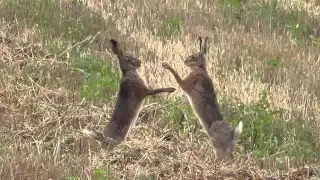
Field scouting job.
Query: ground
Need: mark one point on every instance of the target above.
(58, 76)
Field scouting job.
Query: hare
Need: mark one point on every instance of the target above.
(198, 87)
(130, 97)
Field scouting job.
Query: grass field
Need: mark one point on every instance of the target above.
(58, 75)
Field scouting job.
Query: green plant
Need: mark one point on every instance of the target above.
(260, 135)
(72, 178)
(174, 114)
(302, 140)
(71, 20)
(265, 134)
(269, 16)
(100, 80)
(273, 62)
(263, 140)
(170, 27)
(99, 174)
(297, 26)
(232, 9)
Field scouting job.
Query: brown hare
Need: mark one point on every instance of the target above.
(130, 97)
(198, 87)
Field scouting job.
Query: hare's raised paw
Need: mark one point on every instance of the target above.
(166, 65)
(170, 90)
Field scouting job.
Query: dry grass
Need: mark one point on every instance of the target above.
(43, 108)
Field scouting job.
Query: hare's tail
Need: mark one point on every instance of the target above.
(93, 134)
(238, 130)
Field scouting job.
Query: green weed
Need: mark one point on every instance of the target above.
(264, 134)
(62, 24)
(102, 174)
(174, 114)
(260, 123)
(170, 27)
(70, 20)
(100, 79)
(270, 17)
(302, 140)
(273, 62)
(72, 178)
(99, 174)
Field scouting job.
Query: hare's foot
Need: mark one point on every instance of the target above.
(170, 90)
(166, 65)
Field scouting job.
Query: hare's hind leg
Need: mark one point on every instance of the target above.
(204, 45)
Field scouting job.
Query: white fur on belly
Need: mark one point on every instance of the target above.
(134, 118)
(196, 113)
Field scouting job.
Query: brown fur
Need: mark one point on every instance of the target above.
(199, 89)
(130, 97)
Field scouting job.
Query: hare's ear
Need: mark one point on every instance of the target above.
(205, 45)
(200, 44)
(114, 42)
(115, 47)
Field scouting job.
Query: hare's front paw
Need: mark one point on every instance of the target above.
(170, 90)
(166, 65)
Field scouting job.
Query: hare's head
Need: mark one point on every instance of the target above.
(223, 139)
(127, 62)
(198, 59)
(131, 62)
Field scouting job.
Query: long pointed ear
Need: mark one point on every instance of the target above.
(200, 44)
(205, 45)
(116, 49)
(202, 53)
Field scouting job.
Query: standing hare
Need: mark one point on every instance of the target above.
(130, 97)
(198, 87)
